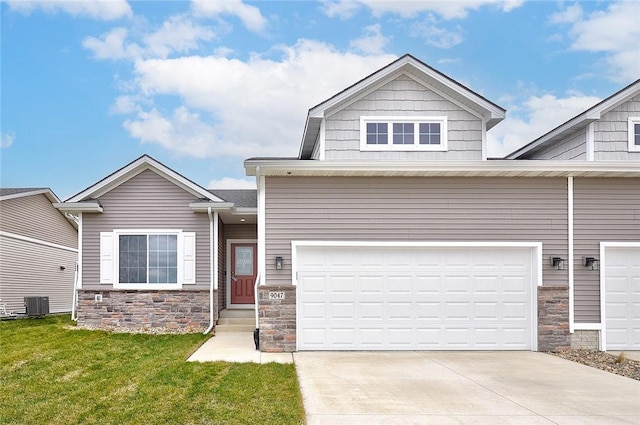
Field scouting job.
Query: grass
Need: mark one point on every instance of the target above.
(50, 374)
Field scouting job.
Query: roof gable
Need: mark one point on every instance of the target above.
(20, 192)
(414, 69)
(134, 168)
(582, 120)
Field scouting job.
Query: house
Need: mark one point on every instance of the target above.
(38, 250)
(158, 250)
(391, 230)
(397, 233)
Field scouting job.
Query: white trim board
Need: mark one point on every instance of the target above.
(603, 263)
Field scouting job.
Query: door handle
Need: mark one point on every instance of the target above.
(235, 279)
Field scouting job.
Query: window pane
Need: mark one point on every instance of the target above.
(403, 133)
(429, 133)
(163, 259)
(636, 134)
(133, 259)
(377, 133)
(244, 260)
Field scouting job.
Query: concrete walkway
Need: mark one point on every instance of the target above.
(235, 347)
(481, 388)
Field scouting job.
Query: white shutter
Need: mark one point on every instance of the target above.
(188, 258)
(107, 265)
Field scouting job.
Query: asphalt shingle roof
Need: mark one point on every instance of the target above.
(243, 198)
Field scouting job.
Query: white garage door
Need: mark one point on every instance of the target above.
(414, 298)
(622, 298)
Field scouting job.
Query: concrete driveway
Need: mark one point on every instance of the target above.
(461, 388)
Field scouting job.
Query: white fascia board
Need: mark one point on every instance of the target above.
(47, 192)
(568, 127)
(499, 168)
(141, 164)
(78, 207)
(217, 206)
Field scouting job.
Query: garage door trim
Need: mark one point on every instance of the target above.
(603, 294)
(536, 267)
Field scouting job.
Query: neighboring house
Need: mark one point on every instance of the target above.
(391, 230)
(38, 250)
(157, 250)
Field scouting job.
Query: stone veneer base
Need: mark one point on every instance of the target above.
(184, 310)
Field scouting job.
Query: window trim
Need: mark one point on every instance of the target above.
(416, 121)
(146, 232)
(631, 134)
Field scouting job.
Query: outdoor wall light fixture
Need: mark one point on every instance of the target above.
(558, 263)
(62, 267)
(591, 263)
(278, 263)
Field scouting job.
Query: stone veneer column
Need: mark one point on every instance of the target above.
(277, 319)
(138, 310)
(553, 318)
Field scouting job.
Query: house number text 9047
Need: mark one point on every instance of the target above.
(276, 295)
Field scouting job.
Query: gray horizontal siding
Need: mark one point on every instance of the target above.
(415, 209)
(147, 201)
(605, 210)
(34, 217)
(574, 147)
(610, 138)
(402, 97)
(30, 269)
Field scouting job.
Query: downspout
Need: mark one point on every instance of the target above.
(77, 278)
(213, 261)
(260, 274)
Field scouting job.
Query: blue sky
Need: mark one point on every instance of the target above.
(88, 86)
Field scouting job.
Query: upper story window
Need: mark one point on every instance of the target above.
(403, 133)
(634, 134)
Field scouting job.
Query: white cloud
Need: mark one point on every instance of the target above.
(541, 114)
(570, 15)
(372, 41)
(614, 31)
(242, 108)
(232, 183)
(112, 45)
(344, 9)
(105, 10)
(411, 8)
(178, 34)
(438, 37)
(7, 139)
(250, 16)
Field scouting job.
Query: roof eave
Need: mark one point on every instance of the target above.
(502, 168)
(79, 207)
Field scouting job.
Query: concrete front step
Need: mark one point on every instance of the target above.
(228, 313)
(236, 321)
(235, 328)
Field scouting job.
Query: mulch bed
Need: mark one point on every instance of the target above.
(620, 365)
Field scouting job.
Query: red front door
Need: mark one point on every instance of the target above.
(243, 272)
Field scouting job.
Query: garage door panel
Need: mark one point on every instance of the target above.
(440, 299)
(622, 299)
(486, 310)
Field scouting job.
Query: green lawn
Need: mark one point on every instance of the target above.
(50, 374)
